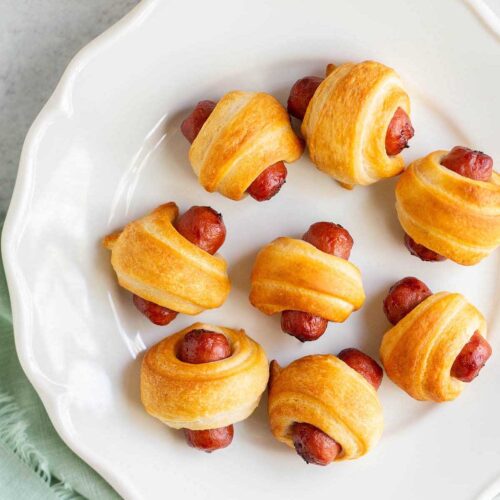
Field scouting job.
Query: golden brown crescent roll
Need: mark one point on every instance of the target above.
(207, 395)
(452, 215)
(346, 122)
(152, 260)
(245, 133)
(325, 392)
(291, 274)
(419, 351)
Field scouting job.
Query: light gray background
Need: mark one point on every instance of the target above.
(38, 38)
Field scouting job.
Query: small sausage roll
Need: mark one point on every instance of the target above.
(155, 261)
(438, 341)
(308, 281)
(448, 203)
(240, 143)
(204, 379)
(324, 408)
(356, 121)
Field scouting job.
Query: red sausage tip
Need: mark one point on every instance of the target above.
(403, 297)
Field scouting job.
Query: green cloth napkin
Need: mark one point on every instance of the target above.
(35, 464)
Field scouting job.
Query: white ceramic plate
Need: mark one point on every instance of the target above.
(107, 149)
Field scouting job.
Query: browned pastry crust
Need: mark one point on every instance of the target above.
(246, 133)
(419, 351)
(346, 122)
(453, 215)
(206, 395)
(152, 260)
(323, 391)
(291, 274)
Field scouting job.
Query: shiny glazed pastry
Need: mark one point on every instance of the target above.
(167, 262)
(449, 206)
(438, 341)
(355, 121)
(326, 407)
(203, 379)
(240, 143)
(308, 281)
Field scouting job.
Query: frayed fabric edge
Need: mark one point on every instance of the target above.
(13, 435)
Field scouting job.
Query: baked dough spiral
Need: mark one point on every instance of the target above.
(346, 122)
(245, 133)
(323, 391)
(291, 274)
(207, 395)
(453, 215)
(419, 351)
(152, 260)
